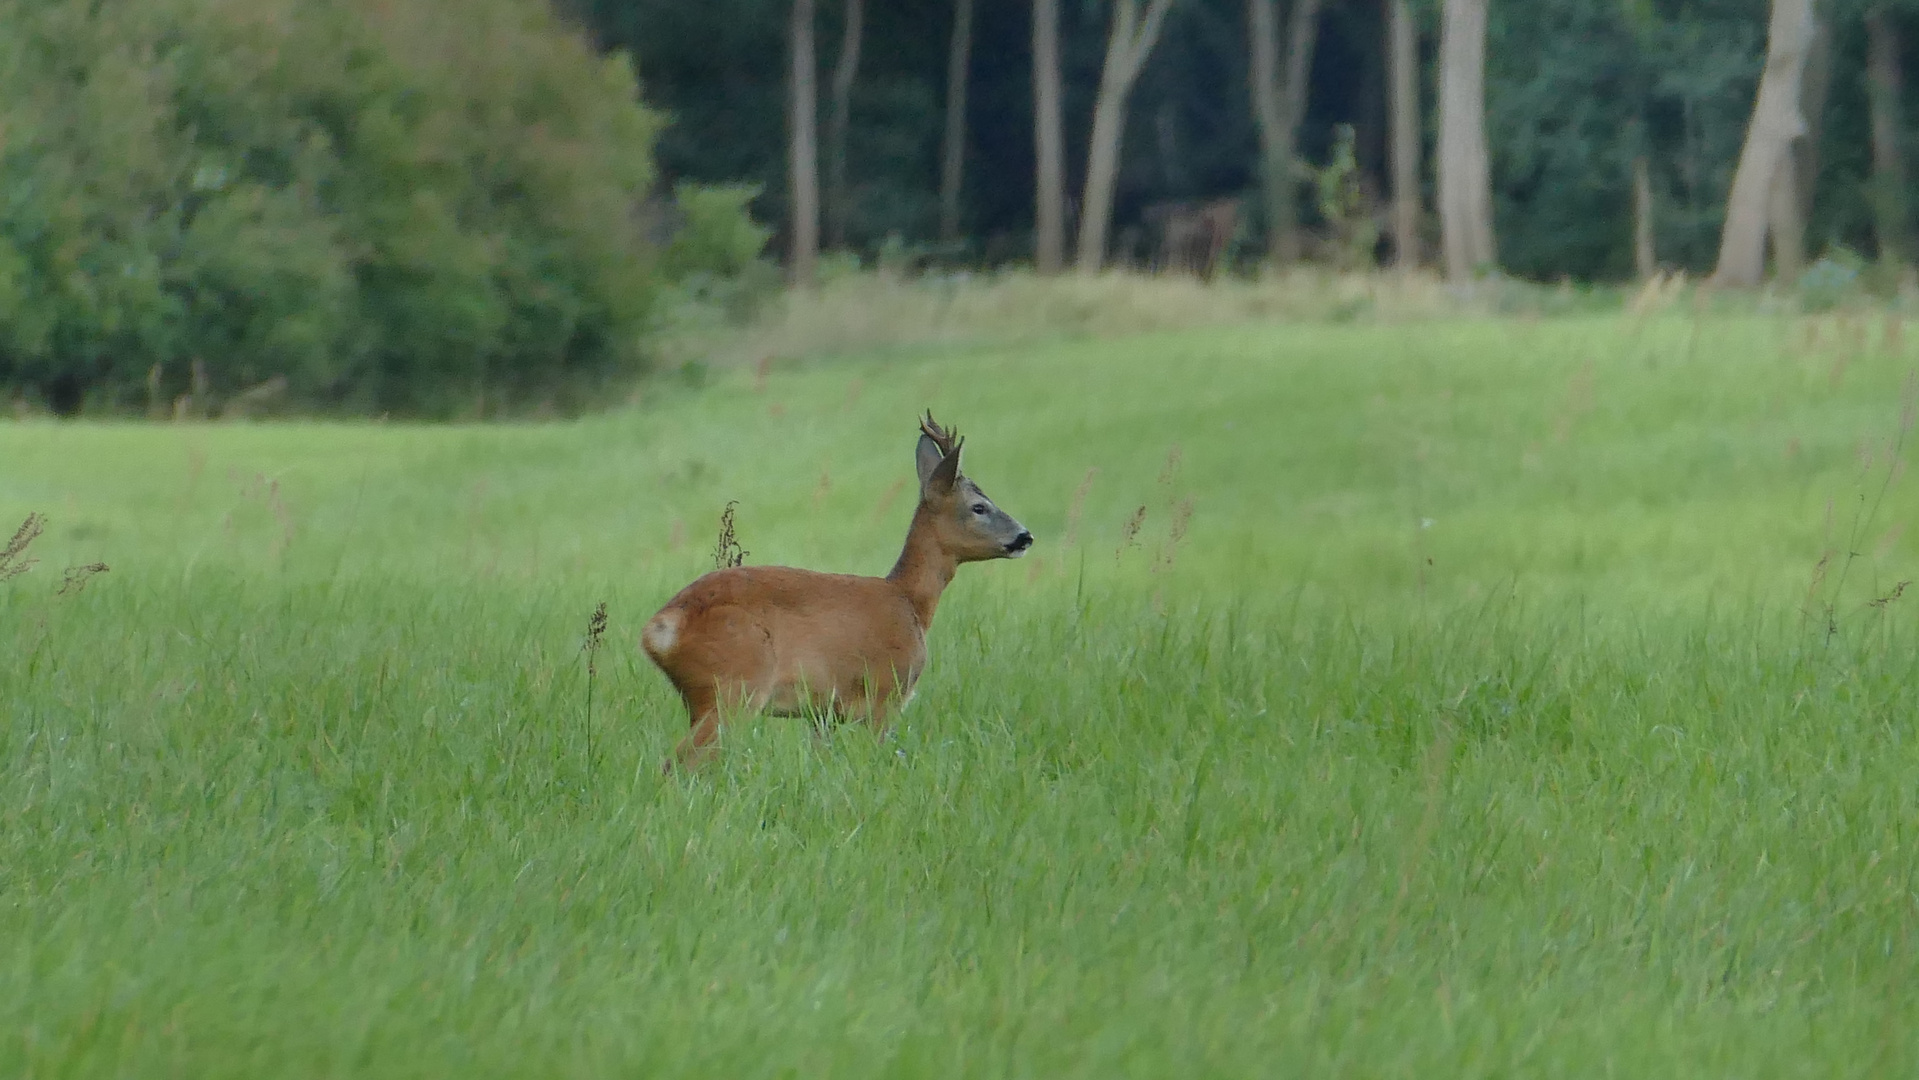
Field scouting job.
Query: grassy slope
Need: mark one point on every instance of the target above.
(301, 787)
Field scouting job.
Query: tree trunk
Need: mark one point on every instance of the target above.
(803, 163)
(845, 71)
(1102, 166)
(1795, 184)
(1883, 79)
(1279, 105)
(959, 57)
(1132, 38)
(1275, 165)
(1465, 177)
(1814, 90)
(1776, 122)
(1404, 66)
(1302, 35)
(1049, 217)
(1645, 256)
(1784, 227)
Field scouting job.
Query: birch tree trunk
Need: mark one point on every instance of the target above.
(803, 163)
(1815, 88)
(1645, 256)
(1302, 37)
(1784, 227)
(1263, 80)
(1403, 65)
(1797, 179)
(838, 206)
(1465, 177)
(1883, 82)
(1279, 105)
(1132, 39)
(1775, 123)
(959, 56)
(1049, 144)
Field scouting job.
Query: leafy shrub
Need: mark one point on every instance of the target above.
(390, 204)
(715, 235)
(1343, 204)
(1831, 280)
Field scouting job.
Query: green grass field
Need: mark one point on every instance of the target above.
(1475, 698)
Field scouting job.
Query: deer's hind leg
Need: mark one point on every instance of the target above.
(703, 710)
(747, 686)
(707, 709)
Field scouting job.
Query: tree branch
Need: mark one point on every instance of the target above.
(1146, 34)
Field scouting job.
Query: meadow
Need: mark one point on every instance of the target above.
(1461, 697)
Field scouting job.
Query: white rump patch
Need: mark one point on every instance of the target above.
(661, 633)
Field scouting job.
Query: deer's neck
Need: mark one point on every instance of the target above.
(924, 569)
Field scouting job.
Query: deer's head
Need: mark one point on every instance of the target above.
(967, 523)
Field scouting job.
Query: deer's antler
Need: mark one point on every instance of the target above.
(946, 440)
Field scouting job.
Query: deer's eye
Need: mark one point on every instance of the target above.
(979, 508)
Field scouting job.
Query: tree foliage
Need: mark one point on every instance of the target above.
(1577, 90)
(389, 205)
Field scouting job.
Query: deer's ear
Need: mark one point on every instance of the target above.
(926, 458)
(944, 475)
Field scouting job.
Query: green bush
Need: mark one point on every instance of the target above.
(390, 204)
(1833, 279)
(715, 235)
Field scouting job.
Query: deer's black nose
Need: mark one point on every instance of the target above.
(1021, 542)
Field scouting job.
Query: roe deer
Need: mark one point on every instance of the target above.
(783, 640)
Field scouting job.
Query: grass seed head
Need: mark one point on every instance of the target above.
(13, 560)
(727, 552)
(1182, 519)
(595, 631)
(1890, 598)
(76, 577)
(1129, 532)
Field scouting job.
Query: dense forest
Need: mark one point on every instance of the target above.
(1613, 128)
